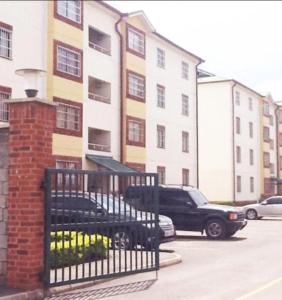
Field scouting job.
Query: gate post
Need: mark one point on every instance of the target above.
(32, 122)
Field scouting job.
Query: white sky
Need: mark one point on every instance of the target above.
(237, 39)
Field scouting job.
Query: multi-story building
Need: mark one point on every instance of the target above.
(125, 95)
(229, 140)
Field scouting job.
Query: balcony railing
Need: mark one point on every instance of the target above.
(4, 112)
(99, 48)
(98, 147)
(99, 98)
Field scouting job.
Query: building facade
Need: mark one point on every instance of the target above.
(112, 77)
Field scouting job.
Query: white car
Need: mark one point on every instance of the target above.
(270, 207)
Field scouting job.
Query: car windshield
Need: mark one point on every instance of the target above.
(198, 197)
(114, 205)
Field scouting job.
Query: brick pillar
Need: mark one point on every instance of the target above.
(32, 123)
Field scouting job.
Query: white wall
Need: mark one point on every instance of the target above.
(29, 37)
(244, 169)
(96, 64)
(172, 157)
(215, 141)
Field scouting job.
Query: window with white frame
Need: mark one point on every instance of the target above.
(185, 70)
(5, 42)
(68, 117)
(160, 58)
(185, 177)
(136, 86)
(251, 130)
(251, 156)
(4, 111)
(239, 188)
(161, 96)
(185, 141)
(136, 131)
(237, 98)
(238, 125)
(238, 154)
(161, 174)
(135, 40)
(250, 103)
(68, 61)
(160, 136)
(252, 184)
(185, 105)
(266, 108)
(70, 9)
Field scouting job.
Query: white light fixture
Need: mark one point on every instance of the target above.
(31, 78)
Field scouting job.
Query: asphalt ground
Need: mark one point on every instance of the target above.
(246, 267)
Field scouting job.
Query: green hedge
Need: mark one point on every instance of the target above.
(69, 248)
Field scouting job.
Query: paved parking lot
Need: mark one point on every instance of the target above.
(246, 267)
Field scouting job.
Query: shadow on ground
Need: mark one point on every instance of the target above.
(90, 294)
(204, 238)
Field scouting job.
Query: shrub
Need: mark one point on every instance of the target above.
(71, 247)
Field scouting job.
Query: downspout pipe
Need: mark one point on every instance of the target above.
(233, 142)
(277, 112)
(121, 63)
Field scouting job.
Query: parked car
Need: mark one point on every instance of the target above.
(189, 210)
(270, 207)
(109, 216)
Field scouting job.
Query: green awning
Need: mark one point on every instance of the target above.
(109, 163)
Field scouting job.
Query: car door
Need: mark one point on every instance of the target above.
(268, 207)
(279, 207)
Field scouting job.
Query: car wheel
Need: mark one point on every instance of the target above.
(251, 214)
(215, 229)
(121, 240)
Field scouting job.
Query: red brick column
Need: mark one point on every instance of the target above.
(30, 152)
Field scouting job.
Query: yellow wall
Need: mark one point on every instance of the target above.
(64, 145)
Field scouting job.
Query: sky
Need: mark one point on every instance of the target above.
(241, 40)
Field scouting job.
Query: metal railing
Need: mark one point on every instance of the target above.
(93, 230)
(98, 147)
(99, 48)
(99, 97)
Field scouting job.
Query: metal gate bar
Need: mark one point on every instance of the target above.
(94, 228)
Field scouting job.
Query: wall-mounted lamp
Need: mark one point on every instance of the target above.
(31, 78)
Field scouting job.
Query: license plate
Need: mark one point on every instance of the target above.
(169, 233)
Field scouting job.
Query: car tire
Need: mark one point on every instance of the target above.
(251, 214)
(121, 240)
(215, 229)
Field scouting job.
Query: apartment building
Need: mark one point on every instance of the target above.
(112, 77)
(229, 140)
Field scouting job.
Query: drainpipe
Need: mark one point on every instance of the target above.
(197, 127)
(121, 88)
(277, 147)
(233, 143)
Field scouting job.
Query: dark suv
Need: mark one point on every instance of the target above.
(109, 216)
(189, 210)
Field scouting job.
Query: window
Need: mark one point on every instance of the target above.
(67, 180)
(161, 96)
(280, 162)
(160, 58)
(239, 184)
(238, 154)
(265, 134)
(135, 41)
(270, 120)
(280, 116)
(99, 40)
(5, 93)
(185, 177)
(136, 86)
(136, 131)
(271, 142)
(5, 40)
(252, 185)
(250, 103)
(266, 159)
(238, 125)
(68, 61)
(185, 141)
(185, 105)
(251, 156)
(160, 136)
(271, 167)
(251, 130)
(69, 10)
(68, 117)
(280, 139)
(237, 98)
(266, 108)
(185, 70)
(161, 174)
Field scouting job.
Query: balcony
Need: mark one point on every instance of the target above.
(99, 140)
(99, 41)
(99, 90)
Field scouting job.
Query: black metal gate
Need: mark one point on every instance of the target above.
(93, 230)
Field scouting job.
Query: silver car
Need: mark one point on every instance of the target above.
(270, 207)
